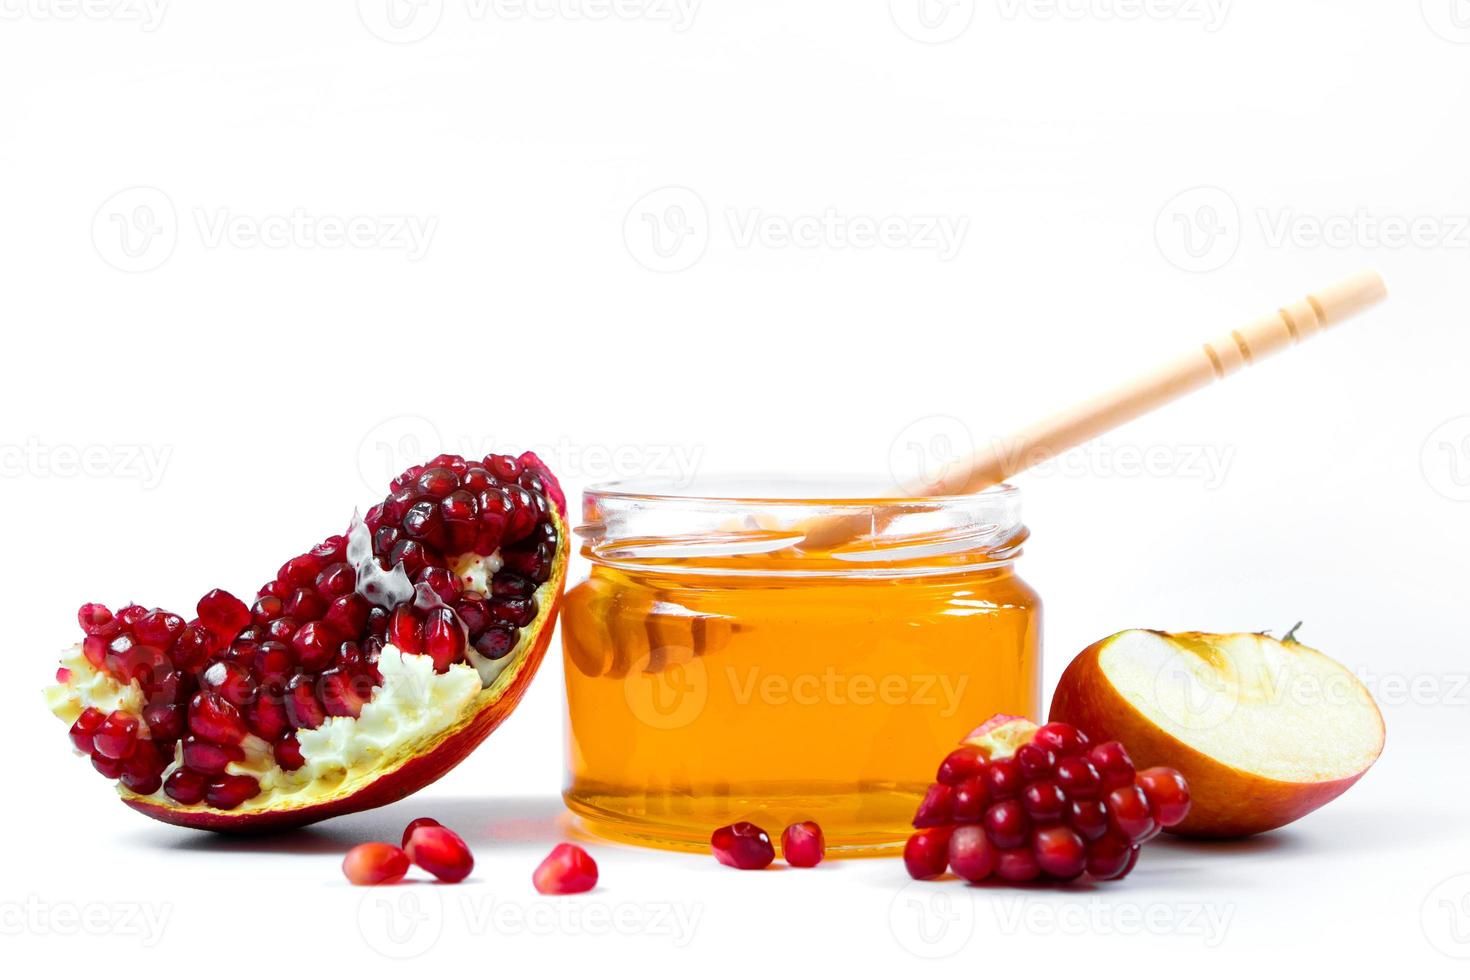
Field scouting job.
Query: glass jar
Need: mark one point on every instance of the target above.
(786, 651)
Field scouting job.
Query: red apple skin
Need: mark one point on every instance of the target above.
(1227, 802)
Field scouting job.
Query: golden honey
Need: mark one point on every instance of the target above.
(718, 669)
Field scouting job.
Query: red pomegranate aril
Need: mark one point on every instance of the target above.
(184, 786)
(1089, 818)
(1167, 794)
(275, 660)
(375, 864)
(130, 614)
(937, 807)
(158, 628)
(742, 845)
(1111, 857)
(208, 758)
(231, 682)
(514, 612)
(505, 468)
(303, 605)
(228, 792)
(267, 608)
(441, 852)
(300, 571)
(1003, 779)
(415, 824)
(109, 768)
(1007, 825)
(971, 854)
(336, 580)
(143, 770)
(1078, 778)
(85, 727)
(117, 736)
(1131, 814)
(165, 721)
(567, 870)
(343, 695)
(441, 582)
(223, 614)
(283, 629)
(970, 799)
(406, 630)
(496, 642)
(926, 854)
(213, 718)
(302, 706)
(1017, 865)
(963, 763)
(94, 648)
(444, 640)
(1044, 802)
(95, 619)
(1035, 761)
(803, 845)
(347, 615)
(288, 754)
(1061, 738)
(1113, 765)
(1060, 852)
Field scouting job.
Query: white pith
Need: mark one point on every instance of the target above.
(1279, 710)
(413, 708)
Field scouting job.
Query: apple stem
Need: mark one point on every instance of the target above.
(1290, 636)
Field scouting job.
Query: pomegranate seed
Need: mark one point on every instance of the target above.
(567, 870)
(109, 768)
(85, 727)
(343, 695)
(1003, 778)
(94, 648)
(158, 628)
(1061, 738)
(314, 646)
(1131, 814)
(497, 642)
(184, 786)
(444, 640)
(1109, 855)
(302, 706)
(1113, 765)
(1035, 761)
(405, 630)
(1060, 852)
(267, 717)
(1007, 825)
(1044, 802)
(223, 614)
(228, 792)
(117, 737)
(415, 824)
(937, 807)
(803, 845)
(1078, 778)
(441, 852)
(213, 718)
(1089, 818)
(971, 855)
(1017, 865)
(288, 754)
(165, 721)
(1167, 794)
(963, 763)
(130, 614)
(742, 845)
(375, 864)
(94, 618)
(208, 758)
(305, 604)
(926, 855)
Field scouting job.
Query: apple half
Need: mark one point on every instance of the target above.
(1264, 730)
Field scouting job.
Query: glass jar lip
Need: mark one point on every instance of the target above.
(824, 491)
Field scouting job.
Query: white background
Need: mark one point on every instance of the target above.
(1126, 184)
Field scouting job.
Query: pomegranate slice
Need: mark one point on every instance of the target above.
(367, 668)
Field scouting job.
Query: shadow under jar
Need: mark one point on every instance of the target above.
(720, 666)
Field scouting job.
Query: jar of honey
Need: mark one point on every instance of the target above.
(731, 658)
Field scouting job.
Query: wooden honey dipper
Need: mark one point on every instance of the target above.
(1191, 371)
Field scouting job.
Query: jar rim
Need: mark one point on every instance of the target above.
(875, 492)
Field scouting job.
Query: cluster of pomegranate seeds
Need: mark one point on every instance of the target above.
(308, 647)
(426, 843)
(567, 870)
(1057, 808)
(745, 846)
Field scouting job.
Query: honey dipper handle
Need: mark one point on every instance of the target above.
(1196, 369)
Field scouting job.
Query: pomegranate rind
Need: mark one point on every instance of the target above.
(1001, 736)
(1226, 801)
(407, 768)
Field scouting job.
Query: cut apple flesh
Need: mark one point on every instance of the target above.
(1265, 731)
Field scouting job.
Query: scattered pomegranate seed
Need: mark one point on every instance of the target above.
(802, 845)
(375, 864)
(441, 852)
(415, 824)
(1055, 808)
(567, 870)
(926, 854)
(743, 845)
(117, 736)
(1167, 793)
